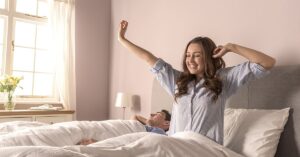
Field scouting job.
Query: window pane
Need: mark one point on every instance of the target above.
(25, 34)
(2, 36)
(23, 59)
(2, 22)
(26, 83)
(42, 8)
(44, 62)
(1, 52)
(1, 57)
(42, 39)
(26, 6)
(43, 84)
(2, 4)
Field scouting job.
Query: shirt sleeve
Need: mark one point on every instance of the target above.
(155, 130)
(236, 76)
(166, 75)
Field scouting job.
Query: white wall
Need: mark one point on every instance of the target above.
(92, 31)
(165, 26)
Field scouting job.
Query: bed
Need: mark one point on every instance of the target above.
(115, 138)
(278, 90)
(128, 138)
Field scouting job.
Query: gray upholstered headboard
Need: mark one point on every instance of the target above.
(278, 90)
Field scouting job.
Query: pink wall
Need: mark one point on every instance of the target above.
(92, 31)
(165, 26)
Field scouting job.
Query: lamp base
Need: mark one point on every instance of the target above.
(123, 117)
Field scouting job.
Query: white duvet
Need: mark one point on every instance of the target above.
(115, 138)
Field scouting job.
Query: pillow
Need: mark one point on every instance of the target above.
(253, 132)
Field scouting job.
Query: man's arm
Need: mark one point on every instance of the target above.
(139, 118)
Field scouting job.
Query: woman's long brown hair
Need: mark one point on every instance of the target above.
(211, 65)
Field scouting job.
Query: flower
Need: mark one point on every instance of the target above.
(9, 83)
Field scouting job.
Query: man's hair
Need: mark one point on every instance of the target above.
(168, 115)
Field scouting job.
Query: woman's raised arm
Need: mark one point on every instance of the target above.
(138, 51)
(252, 55)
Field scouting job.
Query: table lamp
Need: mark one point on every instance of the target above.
(123, 100)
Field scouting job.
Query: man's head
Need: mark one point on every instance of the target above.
(160, 119)
(168, 115)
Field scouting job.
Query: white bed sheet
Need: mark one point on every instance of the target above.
(115, 139)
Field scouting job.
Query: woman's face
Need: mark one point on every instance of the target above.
(194, 59)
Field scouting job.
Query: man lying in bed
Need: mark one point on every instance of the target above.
(158, 122)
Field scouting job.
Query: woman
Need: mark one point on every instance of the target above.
(201, 90)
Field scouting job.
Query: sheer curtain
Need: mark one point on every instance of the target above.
(61, 20)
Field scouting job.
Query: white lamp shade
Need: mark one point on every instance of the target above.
(123, 100)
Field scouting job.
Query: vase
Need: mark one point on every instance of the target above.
(9, 101)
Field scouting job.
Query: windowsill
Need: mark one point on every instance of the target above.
(34, 112)
(27, 105)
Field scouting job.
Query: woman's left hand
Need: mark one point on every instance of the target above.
(221, 50)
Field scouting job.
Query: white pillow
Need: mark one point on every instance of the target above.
(253, 132)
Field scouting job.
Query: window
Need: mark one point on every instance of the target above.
(24, 44)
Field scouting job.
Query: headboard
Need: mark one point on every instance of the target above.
(160, 99)
(278, 90)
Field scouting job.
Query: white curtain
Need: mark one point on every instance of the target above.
(61, 20)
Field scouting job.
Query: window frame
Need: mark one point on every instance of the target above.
(8, 50)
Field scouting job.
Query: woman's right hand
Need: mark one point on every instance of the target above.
(122, 30)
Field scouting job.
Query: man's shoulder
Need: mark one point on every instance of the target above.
(155, 130)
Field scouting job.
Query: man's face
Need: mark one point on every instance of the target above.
(158, 117)
(158, 120)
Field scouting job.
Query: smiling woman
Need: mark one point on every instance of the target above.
(201, 90)
(194, 58)
(198, 63)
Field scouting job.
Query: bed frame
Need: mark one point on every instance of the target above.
(278, 90)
